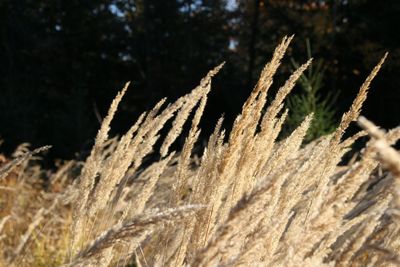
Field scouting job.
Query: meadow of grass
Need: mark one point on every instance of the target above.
(248, 199)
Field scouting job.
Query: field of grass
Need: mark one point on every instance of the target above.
(246, 200)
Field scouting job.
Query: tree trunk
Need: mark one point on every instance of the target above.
(252, 44)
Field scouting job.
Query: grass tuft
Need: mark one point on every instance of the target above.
(246, 200)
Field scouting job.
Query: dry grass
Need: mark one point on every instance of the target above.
(249, 200)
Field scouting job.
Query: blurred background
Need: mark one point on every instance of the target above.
(63, 61)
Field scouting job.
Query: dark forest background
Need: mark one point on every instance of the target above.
(63, 61)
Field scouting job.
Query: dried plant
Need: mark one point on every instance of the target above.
(247, 200)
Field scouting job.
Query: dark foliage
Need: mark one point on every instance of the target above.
(63, 61)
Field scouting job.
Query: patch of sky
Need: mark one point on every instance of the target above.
(114, 9)
(231, 5)
(192, 6)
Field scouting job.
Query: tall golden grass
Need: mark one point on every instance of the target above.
(247, 200)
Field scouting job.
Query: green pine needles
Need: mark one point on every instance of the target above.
(311, 100)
